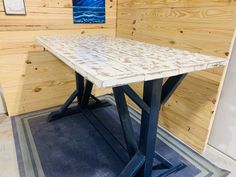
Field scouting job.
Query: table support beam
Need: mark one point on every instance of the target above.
(64, 110)
(110, 139)
(170, 86)
(135, 98)
(167, 90)
(152, 97)
(83, 94)
(86, 94)
(125, 120)
(133, 166)
(79, 81)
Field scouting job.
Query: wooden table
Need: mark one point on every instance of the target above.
(115, 62)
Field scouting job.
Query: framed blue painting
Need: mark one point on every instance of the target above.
(89, 11)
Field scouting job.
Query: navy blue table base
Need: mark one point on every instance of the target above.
(138, 155)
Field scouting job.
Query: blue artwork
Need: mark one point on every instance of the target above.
(89, 11)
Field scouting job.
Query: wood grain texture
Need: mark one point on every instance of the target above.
(199, 26)
(141, 4)
(119, 61)
(31, 78)
(174, 23)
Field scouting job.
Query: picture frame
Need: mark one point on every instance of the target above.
(14, 7)
(89, 11)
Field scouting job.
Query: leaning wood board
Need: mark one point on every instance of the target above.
(199, 26)
(31, 78)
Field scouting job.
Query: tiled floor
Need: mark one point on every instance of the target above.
(221, 160)
(8, 162)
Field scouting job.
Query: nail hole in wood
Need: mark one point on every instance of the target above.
(37, 89)
(28, 62)
(214, 101)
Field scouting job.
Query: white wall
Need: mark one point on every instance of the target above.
(223, 135)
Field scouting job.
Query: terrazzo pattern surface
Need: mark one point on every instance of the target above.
(109, 61)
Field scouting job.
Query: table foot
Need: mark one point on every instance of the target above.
(63, 110)
(165, 168)
(133, 166)
(163, 160)
(60, 114)
(167, 171)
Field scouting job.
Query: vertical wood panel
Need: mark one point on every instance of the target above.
(199, 26)
(31, 78)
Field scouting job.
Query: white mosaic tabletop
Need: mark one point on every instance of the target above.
(108, 61)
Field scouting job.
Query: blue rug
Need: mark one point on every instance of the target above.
(71, 147)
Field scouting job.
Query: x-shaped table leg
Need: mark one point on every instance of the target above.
(82, 93)
(142, 153)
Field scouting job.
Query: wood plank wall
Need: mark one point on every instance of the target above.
(200, 26)
(31, 78)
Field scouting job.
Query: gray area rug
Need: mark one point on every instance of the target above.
(71, 146)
